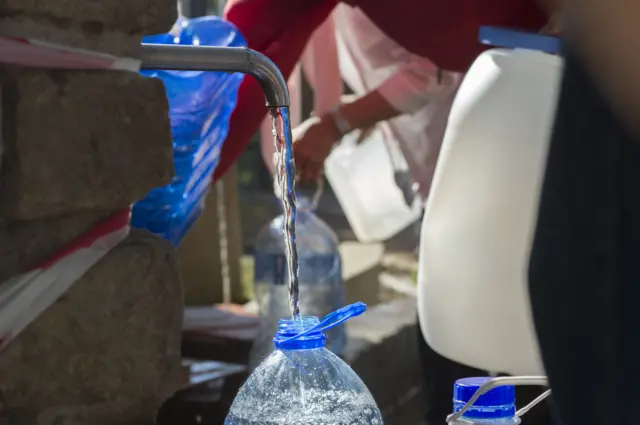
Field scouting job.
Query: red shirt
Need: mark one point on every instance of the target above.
(445, 31)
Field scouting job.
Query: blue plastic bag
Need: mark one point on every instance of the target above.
(200, 107)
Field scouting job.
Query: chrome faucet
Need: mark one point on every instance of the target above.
(221, 59)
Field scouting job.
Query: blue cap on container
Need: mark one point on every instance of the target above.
(305, 332)
(301, 333)
(497, 403)
(516, 39)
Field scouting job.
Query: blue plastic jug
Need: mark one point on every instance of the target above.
(320, 277)
(303, 383)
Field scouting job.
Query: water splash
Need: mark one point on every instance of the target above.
(285, 178)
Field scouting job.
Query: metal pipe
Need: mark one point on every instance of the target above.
(221, 59)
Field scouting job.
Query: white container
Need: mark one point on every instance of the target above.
(480, 217)
(362, 178)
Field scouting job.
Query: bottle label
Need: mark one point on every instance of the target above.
(273, 268)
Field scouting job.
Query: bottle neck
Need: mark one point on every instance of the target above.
(288, 328)
(464, 420)
(487, 414)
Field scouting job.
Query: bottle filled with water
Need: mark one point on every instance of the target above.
(303, 383)
(321, 289)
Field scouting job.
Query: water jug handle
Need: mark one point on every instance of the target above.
(332, 319)
(313, 191)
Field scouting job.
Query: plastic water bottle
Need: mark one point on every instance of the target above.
(302, 383)
(496, 406)
(320, 277)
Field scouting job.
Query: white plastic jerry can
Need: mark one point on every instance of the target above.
(362, 178)
(480, 217)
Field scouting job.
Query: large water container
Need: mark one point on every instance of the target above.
(480, 217)
(363, 177)
(320, 276)
(302, 383)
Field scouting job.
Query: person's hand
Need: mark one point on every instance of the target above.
(312, 144)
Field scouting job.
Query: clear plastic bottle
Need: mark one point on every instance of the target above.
(496, 406)
(303, 383)
(320, 277)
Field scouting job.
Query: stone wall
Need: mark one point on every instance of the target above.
(76, 147)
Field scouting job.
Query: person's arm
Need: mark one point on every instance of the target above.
(410, 88)
(605, 34)
(367, 110)
(279, 29)
(321, 68)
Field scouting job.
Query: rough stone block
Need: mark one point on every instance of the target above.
(108, 352)
(95, 17)
(24, 244)
(82, 140)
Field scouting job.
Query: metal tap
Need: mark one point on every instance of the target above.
(221, 59)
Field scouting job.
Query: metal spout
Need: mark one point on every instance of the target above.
(221, 59)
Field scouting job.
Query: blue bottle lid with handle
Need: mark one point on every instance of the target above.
(516, 39)
(498, 403)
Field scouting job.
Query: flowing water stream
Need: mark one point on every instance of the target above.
(285, 178)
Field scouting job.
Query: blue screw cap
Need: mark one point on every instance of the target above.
(497, 403)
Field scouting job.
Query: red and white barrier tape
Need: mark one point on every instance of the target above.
(24, 297)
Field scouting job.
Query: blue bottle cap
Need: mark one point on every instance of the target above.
(515, 39)
(302, 333)
(498, 403)
(307, 332)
